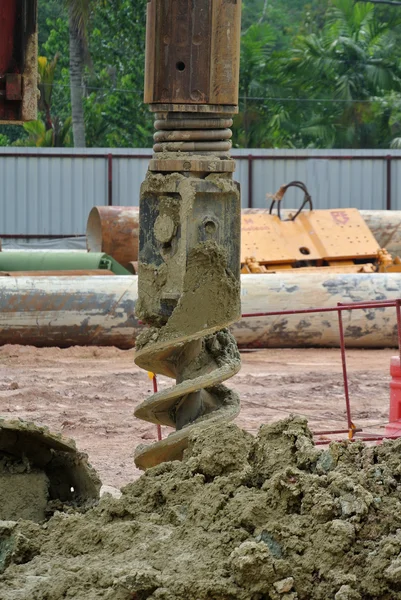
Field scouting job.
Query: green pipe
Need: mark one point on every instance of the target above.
(58, 260)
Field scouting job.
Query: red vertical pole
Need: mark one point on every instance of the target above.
(388, 182)
(398, 310)
(159, 429)
(351, 426)
(8, 13)
(250, 181)
(110, 179)
(394, 417)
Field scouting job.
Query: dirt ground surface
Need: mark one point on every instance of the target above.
(90, 394)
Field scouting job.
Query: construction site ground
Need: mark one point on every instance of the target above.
(90, 394)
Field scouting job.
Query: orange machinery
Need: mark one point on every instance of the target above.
(337, 239)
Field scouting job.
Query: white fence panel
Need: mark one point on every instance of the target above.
(46, 193)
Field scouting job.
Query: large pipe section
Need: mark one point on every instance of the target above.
(58, 260)
(369, 328)
(114, 230)
(67, 311)
(385, 226)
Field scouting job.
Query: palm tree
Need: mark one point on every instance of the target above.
(256, 48)
(78, 18)
(46, 72)
(51, 131)
(348, 63)
(40, 136)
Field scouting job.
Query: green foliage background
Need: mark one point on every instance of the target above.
(322, 73)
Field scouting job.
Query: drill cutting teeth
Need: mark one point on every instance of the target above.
(198, 400)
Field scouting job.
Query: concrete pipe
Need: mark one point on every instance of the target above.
(369, 328)
(114, 230)
(385, 225)
(67, 311)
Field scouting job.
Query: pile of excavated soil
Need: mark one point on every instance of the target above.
(241, 518)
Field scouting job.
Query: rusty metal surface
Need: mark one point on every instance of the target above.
(68, 311)
(18, 60)
(115, 228)
(14, 87)
(182, 66)
(226, 34)
(192, 56)
(185, 163)
(8, 15)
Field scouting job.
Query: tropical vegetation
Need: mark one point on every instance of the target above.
(315, 73)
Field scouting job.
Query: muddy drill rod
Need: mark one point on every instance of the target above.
(189, 261)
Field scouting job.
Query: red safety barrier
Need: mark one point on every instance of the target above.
(393, 429)
(394, 425)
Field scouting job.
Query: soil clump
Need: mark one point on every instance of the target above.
(40, 472)
(242, 518)
(24, 492)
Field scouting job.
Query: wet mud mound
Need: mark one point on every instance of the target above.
(241, 518)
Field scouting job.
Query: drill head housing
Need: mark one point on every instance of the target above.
(189, 243)
(192, 52)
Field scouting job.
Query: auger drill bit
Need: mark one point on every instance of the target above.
(189, 242)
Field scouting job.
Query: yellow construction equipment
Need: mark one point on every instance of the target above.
(309, 240)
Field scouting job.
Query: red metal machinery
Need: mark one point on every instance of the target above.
(18, 61)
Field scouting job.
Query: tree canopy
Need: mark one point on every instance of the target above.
(316, 73)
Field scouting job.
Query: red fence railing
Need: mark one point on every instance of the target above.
(339, 309)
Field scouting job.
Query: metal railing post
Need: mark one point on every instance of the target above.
(388, 182)
(110, 180)
(250, 181)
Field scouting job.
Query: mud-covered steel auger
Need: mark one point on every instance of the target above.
(189, 242)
